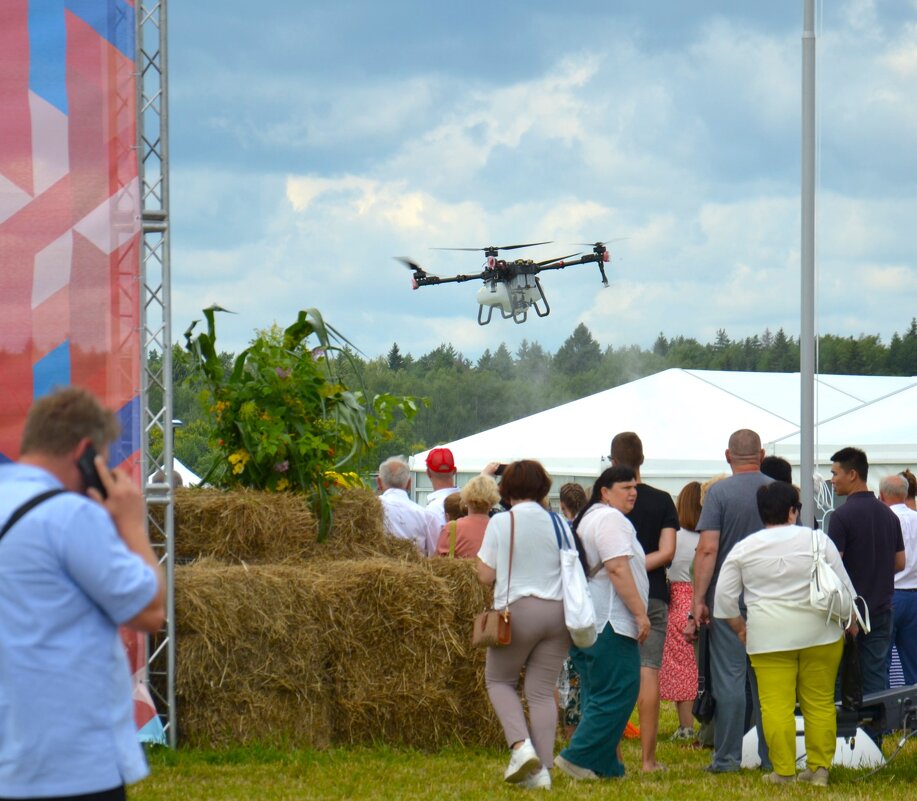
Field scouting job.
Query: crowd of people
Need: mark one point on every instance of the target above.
(728, 556)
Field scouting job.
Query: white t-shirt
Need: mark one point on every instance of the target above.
(773, 567)
(536, 558)
(907, 578)
(435, 502)
(685, 546)
(607, 534)
(409, 521)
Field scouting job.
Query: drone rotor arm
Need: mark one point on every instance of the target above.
(429, 280)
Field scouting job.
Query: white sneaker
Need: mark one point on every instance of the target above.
(683, 733)
(523, 762)
(540, 780)
(574, 771)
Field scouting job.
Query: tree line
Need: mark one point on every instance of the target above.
(464, 397)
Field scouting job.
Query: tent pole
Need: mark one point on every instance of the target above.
(807, 310)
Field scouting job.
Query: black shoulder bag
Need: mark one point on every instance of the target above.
(704, 704)
(27, 507)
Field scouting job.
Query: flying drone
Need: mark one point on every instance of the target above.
(513, 287)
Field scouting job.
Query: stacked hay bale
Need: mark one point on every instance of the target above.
(355, 640)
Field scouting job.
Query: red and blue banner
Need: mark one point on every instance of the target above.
(69, 210)
(70, 225)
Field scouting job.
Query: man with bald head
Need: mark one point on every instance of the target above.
(893, 493)
(729, 514)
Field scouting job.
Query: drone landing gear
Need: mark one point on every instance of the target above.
(520, 312)
(547, 308)
(519, 299)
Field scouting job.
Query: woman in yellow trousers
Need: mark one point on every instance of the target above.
(794, 651)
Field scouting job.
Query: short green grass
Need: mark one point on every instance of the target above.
(382, 772)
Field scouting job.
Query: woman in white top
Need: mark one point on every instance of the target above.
(540, 640)
(794, 649)
(609, 670)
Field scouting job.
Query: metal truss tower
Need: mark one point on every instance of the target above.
(156, 429)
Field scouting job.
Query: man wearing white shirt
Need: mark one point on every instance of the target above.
(441, 472)
(893, 493)
(403, 517)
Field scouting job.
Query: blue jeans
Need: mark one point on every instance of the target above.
(904, 633)
(609, 684)
(730, 669)
(873, 649)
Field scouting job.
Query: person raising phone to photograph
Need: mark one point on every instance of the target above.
(74, 566)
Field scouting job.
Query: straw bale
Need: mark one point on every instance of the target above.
(247, 526)
(223, 717)
(367, 650)
(358, 531)
(476, 722)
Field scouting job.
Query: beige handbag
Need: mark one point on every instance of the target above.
(493, 627)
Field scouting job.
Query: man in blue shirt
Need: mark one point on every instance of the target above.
(868, 536)
(72, 570)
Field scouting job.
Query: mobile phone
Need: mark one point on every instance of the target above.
(500, 469)
(86, 465)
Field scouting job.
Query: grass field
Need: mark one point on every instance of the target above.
(464, 773)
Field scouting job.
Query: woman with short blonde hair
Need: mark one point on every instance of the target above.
(463, 537)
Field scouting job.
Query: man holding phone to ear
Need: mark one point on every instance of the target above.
(74, 566)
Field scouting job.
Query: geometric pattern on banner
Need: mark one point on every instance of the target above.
(70, 223)
(69, 209)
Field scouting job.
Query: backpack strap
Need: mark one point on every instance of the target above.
(27, 507)
(453, 525)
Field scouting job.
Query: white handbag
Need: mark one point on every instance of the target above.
(579, 613)
(828, 592)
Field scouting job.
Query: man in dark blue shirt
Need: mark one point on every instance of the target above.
(868, 536)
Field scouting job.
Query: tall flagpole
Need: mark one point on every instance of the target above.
(807, 310)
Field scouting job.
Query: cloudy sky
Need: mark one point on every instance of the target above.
(313, 141)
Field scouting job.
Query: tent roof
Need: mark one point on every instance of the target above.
(685, 417)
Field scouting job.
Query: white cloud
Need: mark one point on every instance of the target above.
(689, 150)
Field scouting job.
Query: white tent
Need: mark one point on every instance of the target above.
(188, 477)
(685, 417)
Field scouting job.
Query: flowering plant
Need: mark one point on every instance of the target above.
(282, 418)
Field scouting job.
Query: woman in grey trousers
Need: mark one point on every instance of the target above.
(540, 641)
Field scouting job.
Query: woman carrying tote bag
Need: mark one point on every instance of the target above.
(793, 648)
(609, 670)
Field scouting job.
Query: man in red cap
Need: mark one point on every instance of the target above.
(441, 472)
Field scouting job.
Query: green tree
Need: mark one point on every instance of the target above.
(394, 358)
(442, 358)
(579, 353)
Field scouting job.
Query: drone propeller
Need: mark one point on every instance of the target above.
(412, 265)
(600, 243)
(419, 272)
(493, 249)
(559, 258)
